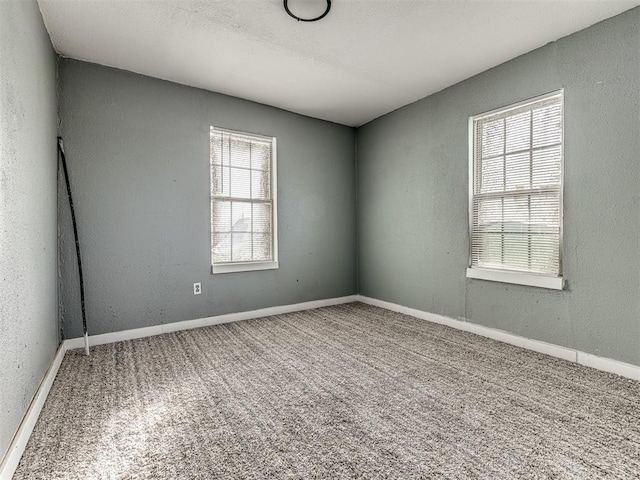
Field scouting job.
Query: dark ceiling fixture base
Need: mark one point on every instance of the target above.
(286, 7)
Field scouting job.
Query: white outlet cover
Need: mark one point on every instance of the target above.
(197, 288)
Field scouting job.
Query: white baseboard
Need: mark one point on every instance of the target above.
(16, 447)
(608, 365)
(600, 363)
(203, 322)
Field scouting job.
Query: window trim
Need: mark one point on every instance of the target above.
(244, 267)
(513, 276)
(273, 264)
(516, 278)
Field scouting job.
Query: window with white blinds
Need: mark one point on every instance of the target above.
(516, 198)
(243, 201)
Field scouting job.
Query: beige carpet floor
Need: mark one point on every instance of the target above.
(351, 391)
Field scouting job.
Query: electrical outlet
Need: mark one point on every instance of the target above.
(197, 288)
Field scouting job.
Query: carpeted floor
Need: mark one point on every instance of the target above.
(351, 391)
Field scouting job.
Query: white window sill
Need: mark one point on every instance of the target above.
(553, 283)
(243, 267)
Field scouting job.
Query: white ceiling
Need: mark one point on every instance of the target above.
(365, 59)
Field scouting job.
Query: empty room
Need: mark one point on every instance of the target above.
(319, 239)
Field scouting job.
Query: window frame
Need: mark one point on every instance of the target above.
(248, 266)
(518, 277)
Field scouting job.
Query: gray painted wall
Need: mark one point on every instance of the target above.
(138, 154)
(28, 122)
(413, 197)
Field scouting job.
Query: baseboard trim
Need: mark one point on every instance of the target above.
(16, 447)
(608, 365)
(113, 337)
(600, 363)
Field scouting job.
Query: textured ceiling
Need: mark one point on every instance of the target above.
(365, 59)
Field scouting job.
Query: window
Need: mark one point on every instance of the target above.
(516, 193)
(243, 202)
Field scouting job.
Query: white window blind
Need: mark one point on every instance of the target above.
(516, 201)
(242, 198)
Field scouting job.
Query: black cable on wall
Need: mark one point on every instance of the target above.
(75, 234)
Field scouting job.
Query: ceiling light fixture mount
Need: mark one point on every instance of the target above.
(286, 7)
